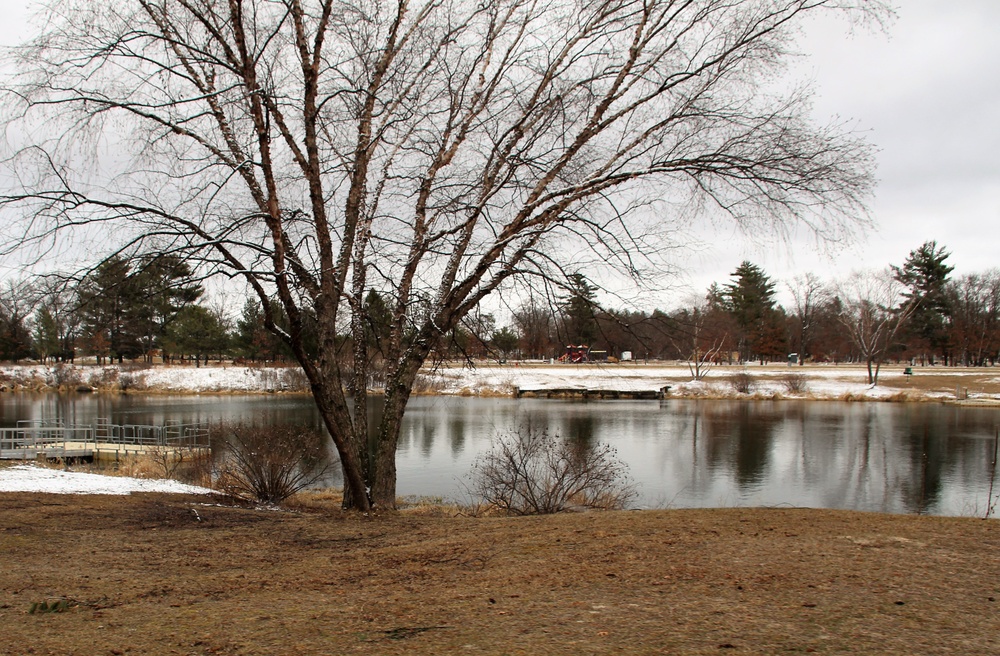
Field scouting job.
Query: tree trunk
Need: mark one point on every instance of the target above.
(397, 394)
(333, 414)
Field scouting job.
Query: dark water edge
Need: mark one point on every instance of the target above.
(899, 458)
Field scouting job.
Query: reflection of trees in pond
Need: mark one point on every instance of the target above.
(738, 439)
(456, 431)
(855, 472)
(869, 456)
(581, 429)
(428, 430)
(937, 442)
(915, 436)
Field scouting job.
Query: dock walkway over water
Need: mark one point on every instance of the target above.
(587, 393)
(30, 440)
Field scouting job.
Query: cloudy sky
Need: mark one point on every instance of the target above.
(926, 92)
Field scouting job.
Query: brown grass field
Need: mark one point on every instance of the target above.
(160, 574)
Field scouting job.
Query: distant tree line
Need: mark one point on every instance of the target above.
(914, 312)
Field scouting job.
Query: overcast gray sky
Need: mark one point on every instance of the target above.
(926, 92)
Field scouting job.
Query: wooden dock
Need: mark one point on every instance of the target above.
(586, 393)
(101, 441)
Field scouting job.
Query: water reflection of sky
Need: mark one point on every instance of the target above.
(869, 456)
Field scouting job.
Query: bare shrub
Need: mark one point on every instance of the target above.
(294, 379)
(132, 377)
(22, 378)
(183, 464)
(63, 375)
(377, 371)
(427, 384)
(268, 464)
(137, 465)
(268, 378)
(795, 383)
(743, 383)
(104, 378)
(531, 472)
(283, 379)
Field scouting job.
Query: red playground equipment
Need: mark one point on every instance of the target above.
(576, 354)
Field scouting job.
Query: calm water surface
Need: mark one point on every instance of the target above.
(901, 458)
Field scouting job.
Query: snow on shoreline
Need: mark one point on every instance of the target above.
(29, 478)
(490, 379)
(820, 382)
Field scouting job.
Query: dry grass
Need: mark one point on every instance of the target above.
(193, 466)
(160, 574)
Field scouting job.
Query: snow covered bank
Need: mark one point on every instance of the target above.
(812, 382)
(28, 478)
(156, 378)
(491, 379)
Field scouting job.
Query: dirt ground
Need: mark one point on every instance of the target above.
(974, 381)
(161, 574)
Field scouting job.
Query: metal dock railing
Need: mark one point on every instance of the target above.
(34, 439)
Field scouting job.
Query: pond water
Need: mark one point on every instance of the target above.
(900, 458)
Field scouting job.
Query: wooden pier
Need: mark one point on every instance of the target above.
(101, 441)
(586, 393)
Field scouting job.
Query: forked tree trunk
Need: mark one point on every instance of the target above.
(351, 456)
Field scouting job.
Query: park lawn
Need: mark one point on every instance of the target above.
(170, 574)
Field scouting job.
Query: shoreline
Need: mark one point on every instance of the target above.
(972, 387)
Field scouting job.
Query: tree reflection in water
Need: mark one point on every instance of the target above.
(887, 457)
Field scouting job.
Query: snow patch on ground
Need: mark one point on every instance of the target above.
(28, 478)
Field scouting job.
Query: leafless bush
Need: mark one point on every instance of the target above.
(794, 383)
(182, 464)
(268, 464)
(21, 379)
(743, 383)
(131, 376)
(268, 378)
(104, 378)
(530, 472)
(283, 379)
(377, 371)
(63, 375)
(427, 384)
(293, 379)
(129, 380)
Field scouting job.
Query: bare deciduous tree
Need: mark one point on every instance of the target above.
(809, 293)
(433, 151)
(875, 309)
(699, 339)
(975, 321)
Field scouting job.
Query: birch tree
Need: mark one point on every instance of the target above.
(435, 151)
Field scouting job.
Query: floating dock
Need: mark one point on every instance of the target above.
(586, 393)
(101, 441)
